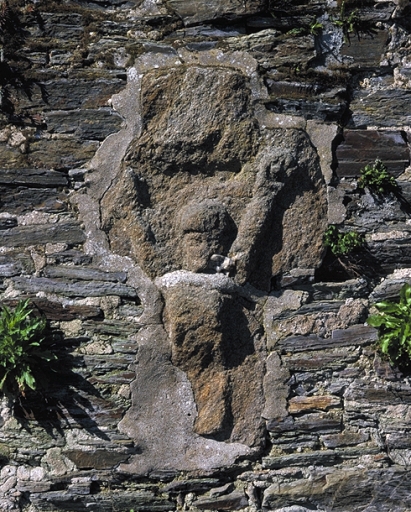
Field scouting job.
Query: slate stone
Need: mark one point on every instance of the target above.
(130, 310)
(34, 487)
(8, 222)
(323, 458)
(84, 273)
(386, 370)
(61, 153)
(96, 459)
(198, 485)
(362, 147)
(233, 501)
(389, 289)
(320, 307)
(366, 51)
(33, 178)
(293, 50)
(21, 200)
(15, 263)
(344, 439)
(72, 93)
(195, 11)
(291, 90)
(117, 378)
(66, 26)
(72, 288)
(378, 395)
(112, 327)
(70, 256)
(90, 124)
(391, 254)
(124, 346)
(323, 111)
(398, 440)
(35, 234)
(60, 312)
(11, 157)
(319, 360)
(353, 288)
(113, 362)
(307, 424)
(299, 404)
(370, 107)
(353, 336)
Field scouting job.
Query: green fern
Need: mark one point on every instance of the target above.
(22, 356)
(349, 23)
(394, 327)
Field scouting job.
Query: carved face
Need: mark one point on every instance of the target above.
(206, 229)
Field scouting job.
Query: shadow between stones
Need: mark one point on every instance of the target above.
(64, 397)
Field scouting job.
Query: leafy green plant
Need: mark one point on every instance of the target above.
(394, 327)
(299, 31)
(349, 23)
(340, 243)
(316, 28)
(377, 178)
(22, 357)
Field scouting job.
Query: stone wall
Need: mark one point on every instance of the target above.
(168, 170)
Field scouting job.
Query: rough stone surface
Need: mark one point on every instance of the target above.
(168, 169)
(224, 198)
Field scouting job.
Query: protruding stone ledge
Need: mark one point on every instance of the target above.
(299, 404)
(320, 423)
(320, 457)
(56, 311)
(23, 236)
(234, 501)
(353, 336)
(33, 178)
(73, 289)
(83, 273)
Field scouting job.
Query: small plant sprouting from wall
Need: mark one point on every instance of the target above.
(349, 23)
(342, 243)
(394, 327)
(23, 359)
(377, 178)
(316, 27)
